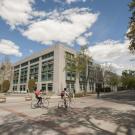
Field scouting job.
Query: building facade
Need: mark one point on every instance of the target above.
(47, 68)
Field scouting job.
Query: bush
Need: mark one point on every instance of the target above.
(79, 95)
(5, 85)
(32, 85)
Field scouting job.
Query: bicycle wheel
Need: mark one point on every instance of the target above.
(67, 103)
(60, 104)
(34, 104)
(45, 103)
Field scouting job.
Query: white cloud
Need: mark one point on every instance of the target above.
(65, 26)
(16, 12)
(8, 47)
(31, 51)
(70, 1)
(82, 41)
(115, 53)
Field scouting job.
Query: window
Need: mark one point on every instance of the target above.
(70, 76)
(23, 77)
(14, 88)
(44, 87)
(24, 64)
(48, 55)
(16, 67)
(34, 60)
(22, 88)
(16, 77)
(50, 86)
(34, 72)
(47, 70)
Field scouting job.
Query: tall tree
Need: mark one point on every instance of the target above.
(131, 33)
(128, 79)
(79, 65)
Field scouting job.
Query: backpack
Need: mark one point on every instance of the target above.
(62, 93)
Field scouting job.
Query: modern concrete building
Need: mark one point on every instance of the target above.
(47, 68)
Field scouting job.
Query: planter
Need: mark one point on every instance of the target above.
(28, 98)
(2, 99)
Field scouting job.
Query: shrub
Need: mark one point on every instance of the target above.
(32, 85)
(5, 85)
(79, 94)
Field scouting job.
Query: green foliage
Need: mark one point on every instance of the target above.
(128, 79)
(79, 62)
(131, 33)
(32, 85)
(5, 85)
(114, 80)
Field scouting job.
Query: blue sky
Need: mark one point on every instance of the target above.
(32, 25)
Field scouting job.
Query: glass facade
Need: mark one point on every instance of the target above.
(34, 72)
(16, 77)
(50, 86)
(47, 70)
(22, 88)
(24, 64)
(44, 87)
(23, 77)
(34, 60)
(48, 55)
(14, 88)
(70, 73)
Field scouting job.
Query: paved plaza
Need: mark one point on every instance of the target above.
(87, 116)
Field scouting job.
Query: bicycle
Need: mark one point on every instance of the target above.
(65, 101)
(43, 104)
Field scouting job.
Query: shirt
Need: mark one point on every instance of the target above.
(37, 92)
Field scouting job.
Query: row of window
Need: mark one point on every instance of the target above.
(47, 72)
(48, 55)
(45, 87)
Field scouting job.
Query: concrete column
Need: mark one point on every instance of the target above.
(18, 85)
(28, 75)
(77, 85)
(39, 74)
(56, 71)
(11, 82)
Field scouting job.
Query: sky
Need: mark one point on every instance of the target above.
(30, 26)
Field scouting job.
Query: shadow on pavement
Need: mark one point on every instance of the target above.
(75, 121)
(125, 97)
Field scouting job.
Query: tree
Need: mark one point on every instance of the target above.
(5, 85)
(128, 79)
(131, 33)
(79, 65)
(110, 78)
(32, 85)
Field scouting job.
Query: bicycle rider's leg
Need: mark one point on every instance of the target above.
(39, 100)
(65, 103)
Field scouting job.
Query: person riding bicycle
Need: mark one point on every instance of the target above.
(64, 93)
(38, 96)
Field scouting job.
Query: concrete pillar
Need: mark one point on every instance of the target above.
(18, 85)
(28, 75)
(39, 73)
(77, 84)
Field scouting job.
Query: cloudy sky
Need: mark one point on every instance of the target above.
(29, 26)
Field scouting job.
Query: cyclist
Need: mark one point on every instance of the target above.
(65, 94)
(38, 96)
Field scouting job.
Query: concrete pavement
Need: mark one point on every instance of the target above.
(88, 116)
